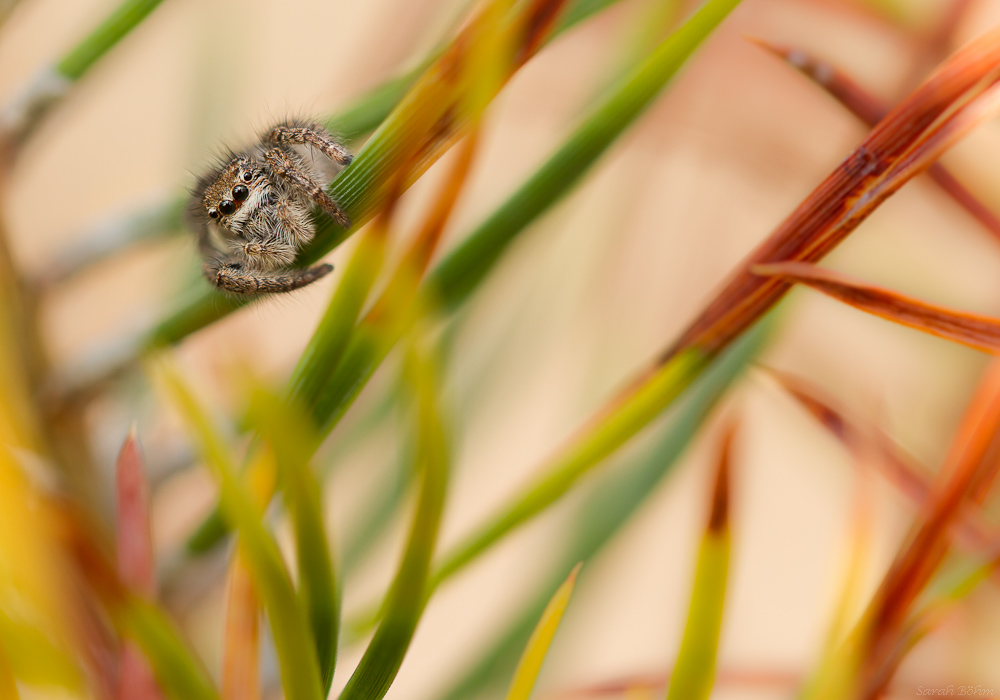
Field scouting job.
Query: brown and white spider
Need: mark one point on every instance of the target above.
(251, 212)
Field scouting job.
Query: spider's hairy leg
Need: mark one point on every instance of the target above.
(293, 217)
(234, 277)
(311, 134)
(268, 254)
(283, 166)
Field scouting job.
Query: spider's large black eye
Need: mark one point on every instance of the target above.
(213, 214)
(240, 192)
(227, 207)
(247, 176)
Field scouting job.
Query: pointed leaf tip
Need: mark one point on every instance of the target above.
(694, 672)
(538, 645)
(718, 519)
(136, 564)
(135, 545)
(974, 330)
(575, 572)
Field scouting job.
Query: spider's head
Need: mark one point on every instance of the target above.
(230, 189)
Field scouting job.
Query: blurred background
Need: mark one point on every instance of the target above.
(594, 290)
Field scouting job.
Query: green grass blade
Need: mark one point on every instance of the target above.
(612, 502)
(330, 339)
(365, 114)
(416, 127)
(481, 250)
(464, 268)
(408, 594)
(321, 356)
(359, 118)
(299, 664)
(179, 675)
(461, 271)
(694, 672)
(609, 432)
(118, 24)
(365, 351)
(353, 190)
(202, 311)
(531, 661)
(289, 433)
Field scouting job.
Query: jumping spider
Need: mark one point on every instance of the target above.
(251, 212)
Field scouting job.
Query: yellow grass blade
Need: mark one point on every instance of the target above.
(694, 672)
(538, 646)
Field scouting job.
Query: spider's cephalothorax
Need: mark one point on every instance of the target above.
(252, 212)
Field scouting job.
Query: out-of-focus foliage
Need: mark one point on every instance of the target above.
(88, 613)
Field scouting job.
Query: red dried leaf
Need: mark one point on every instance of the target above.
(870, 109)
(865, 106)
(135, 563)
(980, 332)
(958, 97)
(902, 470)
(135, 540)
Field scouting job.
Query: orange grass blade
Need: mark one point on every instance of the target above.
(985, 477)
(240, 673)
(394, 309)
(429, 236)
(901, 469)
(433, 115)
(958, 97)
(971, 463)
(870, 109)
(974, 330)
(936, 611)
(135, 563)
(8, 686)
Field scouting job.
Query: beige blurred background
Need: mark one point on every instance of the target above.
(594, 290)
